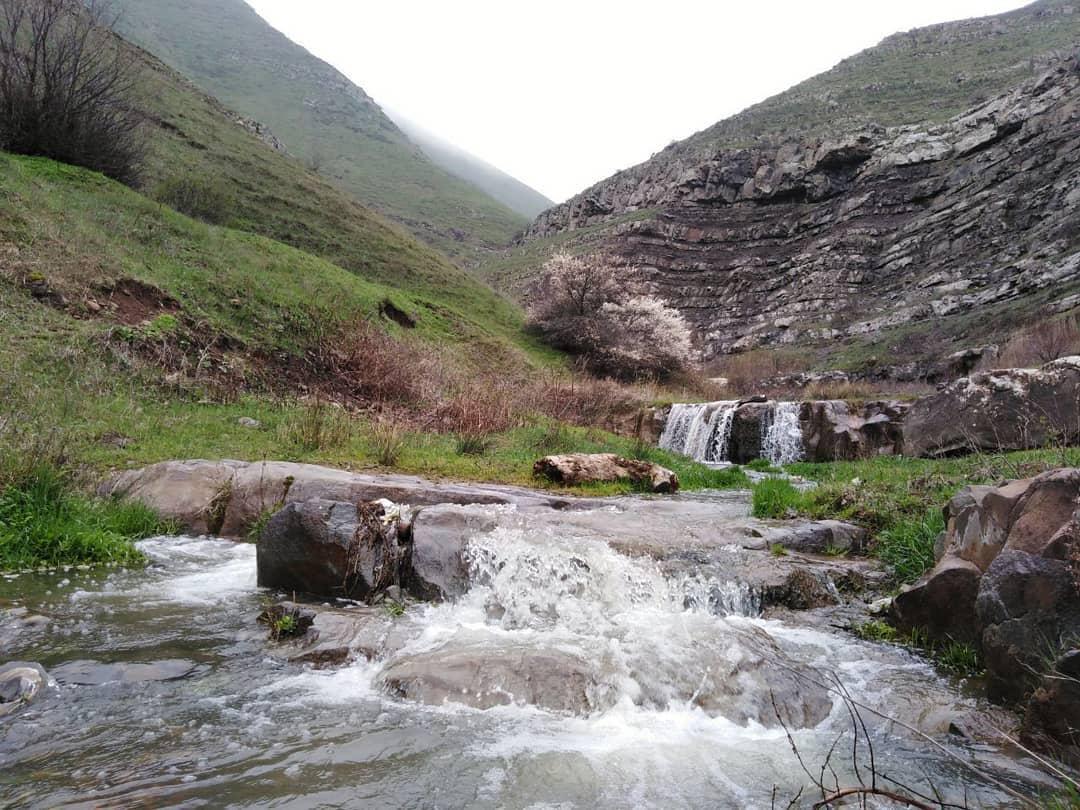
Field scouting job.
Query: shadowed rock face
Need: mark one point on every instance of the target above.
(1009, 409)
(819, 240)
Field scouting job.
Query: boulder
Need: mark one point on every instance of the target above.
(330, 549)
(436, 568)
(942, 602)
(20, 683)
(195, 494)
(587, 468)
(833, 432)
(1009, 409)
(1009, 582)
(1026, 606)
(486, 677)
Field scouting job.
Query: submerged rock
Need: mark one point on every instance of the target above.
(590, 468)
(20, 684)
(97, 673)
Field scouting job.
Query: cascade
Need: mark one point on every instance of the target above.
(781, 441)
(699, 430)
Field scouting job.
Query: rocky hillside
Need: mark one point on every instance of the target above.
(321, 117)
(854, 239)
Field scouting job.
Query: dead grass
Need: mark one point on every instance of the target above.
(1041, 344)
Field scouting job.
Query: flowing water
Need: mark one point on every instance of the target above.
(703, 432)
(168, 693)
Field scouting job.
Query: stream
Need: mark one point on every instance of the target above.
(168, 694)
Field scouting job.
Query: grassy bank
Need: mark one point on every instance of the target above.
(899, 500)
(45, 521)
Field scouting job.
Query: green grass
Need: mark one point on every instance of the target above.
(876, 630)
(45, 522)
(908, 545)
(899, 500)
(776, 498)
(226, 49)
(762, 465)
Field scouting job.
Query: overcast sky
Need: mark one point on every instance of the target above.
(563, 93)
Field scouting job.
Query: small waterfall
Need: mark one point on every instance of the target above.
(700, 430)
(782, 441)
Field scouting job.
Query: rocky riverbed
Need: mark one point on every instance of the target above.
(618, 653)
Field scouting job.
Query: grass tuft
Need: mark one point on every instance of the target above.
(908, 546)
(776, 498)
(45, 522)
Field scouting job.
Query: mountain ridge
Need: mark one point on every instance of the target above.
(321, 116)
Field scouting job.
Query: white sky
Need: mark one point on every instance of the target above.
(563, 93)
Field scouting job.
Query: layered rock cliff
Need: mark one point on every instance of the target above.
(861, 235)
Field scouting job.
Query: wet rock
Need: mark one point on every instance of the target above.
(330, 549)
(20, 684)
(588, 468)
(323, 658)
(1008, 409)
(549, 679)
(436, 568)
(747, 431)
(228, 497)
(97, 673)
(819, 537)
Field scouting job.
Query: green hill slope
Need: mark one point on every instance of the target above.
(508, 190)
(322, 117)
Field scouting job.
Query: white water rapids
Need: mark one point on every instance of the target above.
(674, 710)
(702, 431)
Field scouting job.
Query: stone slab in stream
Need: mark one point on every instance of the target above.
(226, 498)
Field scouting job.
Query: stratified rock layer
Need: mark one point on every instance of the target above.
(848, 237)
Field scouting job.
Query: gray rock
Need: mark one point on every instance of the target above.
(575, 469)
(97, 673)
(329, 549)
(20, 684)
(1008, 409)
(436, 567)
(248, 422)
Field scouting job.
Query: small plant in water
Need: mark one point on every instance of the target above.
(778, 550)
(394, 608)
(284, 626)
(959, 658)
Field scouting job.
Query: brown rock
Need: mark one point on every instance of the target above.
(585, 468)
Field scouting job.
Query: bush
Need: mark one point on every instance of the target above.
(199, 197)
(65, 87)
(776, 498)
(44, 522)
(582, 306)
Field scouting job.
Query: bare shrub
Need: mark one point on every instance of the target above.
(583, 307)
(748, 372)
(1041, 344)
(361, 362)
(320, 425)
(478, 410)
(66, 85)
(388, 441)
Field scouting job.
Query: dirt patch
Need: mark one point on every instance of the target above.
(131, 301)
(392, 312)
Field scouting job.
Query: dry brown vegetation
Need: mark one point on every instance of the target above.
(1042, 343)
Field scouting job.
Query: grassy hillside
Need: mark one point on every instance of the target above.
(193, 139)
(323, 119)
(508, 190)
